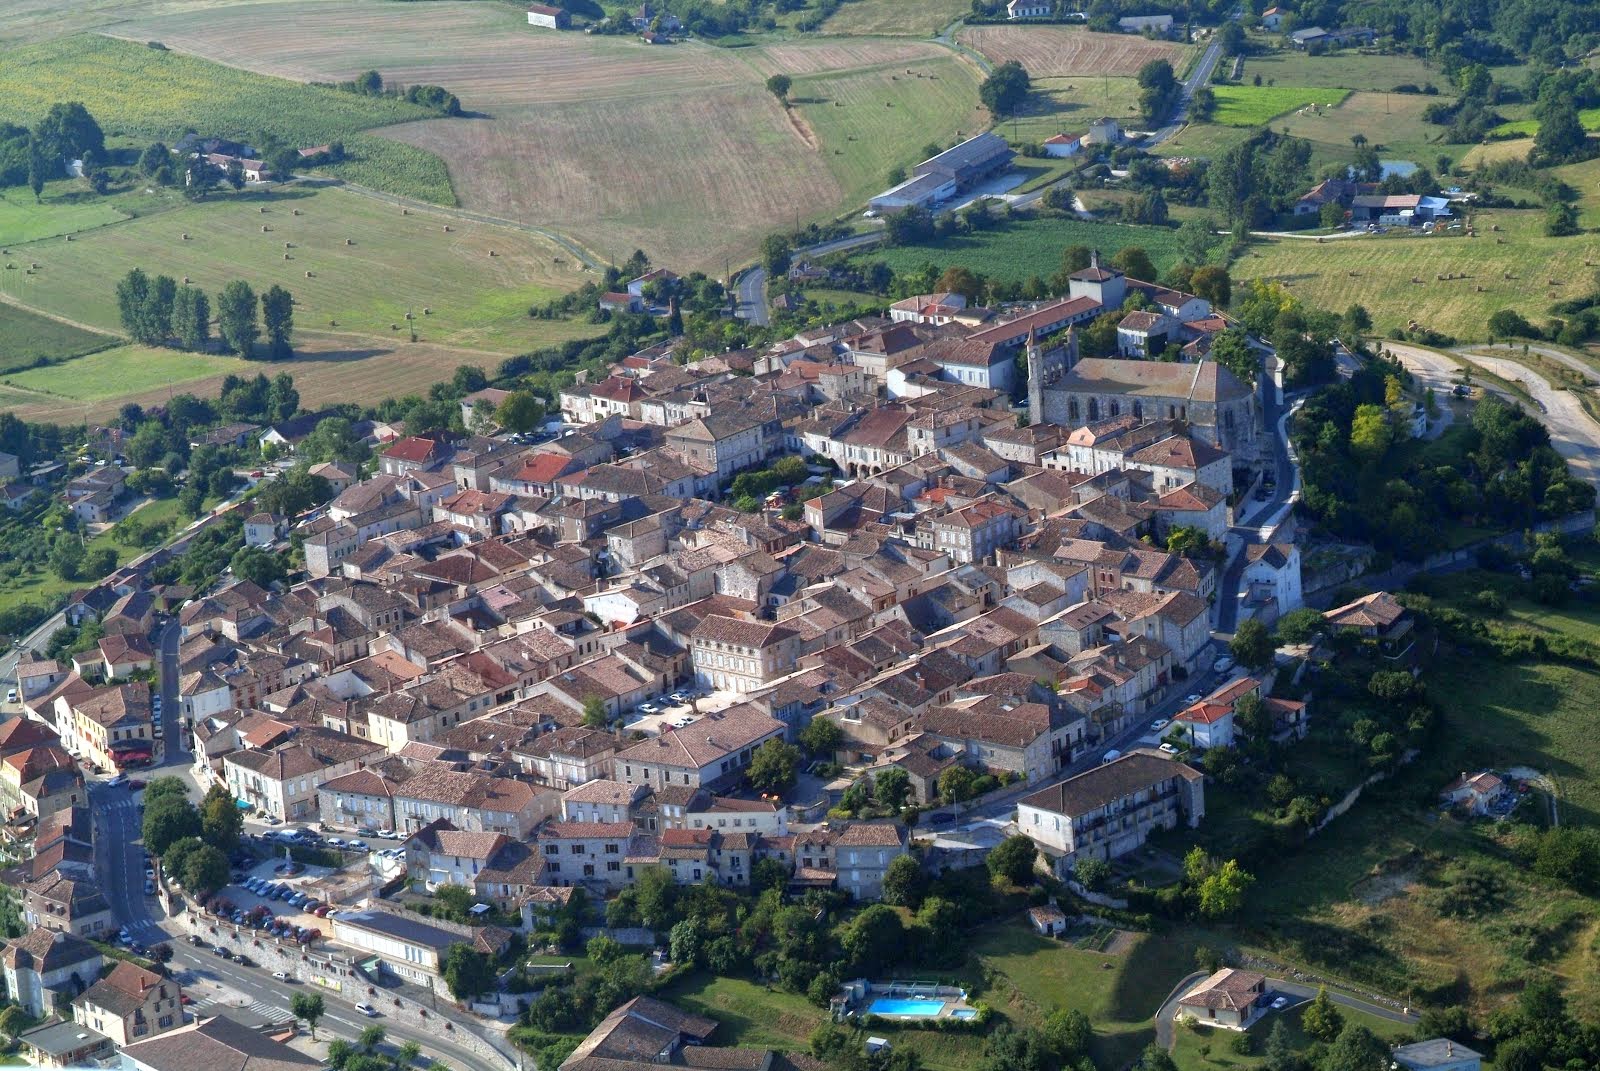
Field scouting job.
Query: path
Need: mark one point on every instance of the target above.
(1573, 433)
(1583, 368)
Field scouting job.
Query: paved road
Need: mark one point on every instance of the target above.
(1255, 512)
(1199, 76)
(752, 282)
(1573, 433)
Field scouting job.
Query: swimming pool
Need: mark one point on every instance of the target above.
(914, 1007)
(964, 1013)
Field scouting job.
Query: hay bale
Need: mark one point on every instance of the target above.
(408, 316)
(262, 209)
(405, 211)
(34, 266)
(69, 237)
(308, 275)
(287, 245)
(426, 311)
(186, 236)
(297, 211)
(492, 253)
(447, 228)
(185, 280)
(394, 327)
(265, 228)
(347, 241)
(287, 257)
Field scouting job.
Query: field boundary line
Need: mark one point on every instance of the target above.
(7, 299)
(585, 256)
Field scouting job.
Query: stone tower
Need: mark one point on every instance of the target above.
(1045, 369)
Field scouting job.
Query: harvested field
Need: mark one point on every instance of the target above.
(27, 339)
(1405, 135)
(561, 139)
(1054, 51)
(395, 262)
(918, 18)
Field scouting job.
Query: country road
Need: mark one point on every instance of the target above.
(752, 283)
(1573, 433)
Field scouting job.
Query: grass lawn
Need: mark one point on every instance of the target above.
(354, 265)
(124, 370)
(1378, 273)
(27, 339)
(45, 588)
(66, 209)
(1253, 106)
(1188, 1042)
(1205, 140)
(1027, 247)
(1119, 993)
(1527, 128)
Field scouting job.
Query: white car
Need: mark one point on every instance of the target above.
(280, 976)
(11, 696)
(649, 708)
(1191, 699)
(367, 1009)
(1111, 756)
(1170, 749)
(1280, 1003)
(1158, 725)
(1222, 665)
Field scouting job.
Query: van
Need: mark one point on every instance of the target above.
(1111, 756)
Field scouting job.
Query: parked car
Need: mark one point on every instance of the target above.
(1280, 1003)
(1159, 725)
(1170, 749)
(322, 912)
(1222, 665)
(280, 976)
(1111, 756)
(243, 960)
(367, 1009)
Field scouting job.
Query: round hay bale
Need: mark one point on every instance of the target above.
(297, 211)
(426, 311)
(408, 316)
(308, 275)
(405, 211)
(185, 280)
(69, 237)
(262, 209)
(186, 236)
(394, 327)
(265, 228)
(286, 245)
(347, 241)
(447, 228)
(286, 256)
(34, 266)
(492, 253)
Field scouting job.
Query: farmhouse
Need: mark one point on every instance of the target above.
(1029, 9)
(1061, 145)
(1272, 18)
(1229, 998)
(551, 18)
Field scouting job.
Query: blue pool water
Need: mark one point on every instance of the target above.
(964, 1013)
(914, 1007)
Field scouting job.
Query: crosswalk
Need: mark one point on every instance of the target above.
(268, 1012)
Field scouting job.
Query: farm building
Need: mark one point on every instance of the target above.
(1398, 210)
(939, 177)
(1028, 9)
(1158, 24)
(1318, 38)
(1063, 144)
(254, 170)
(551, 18)
(1272, 18)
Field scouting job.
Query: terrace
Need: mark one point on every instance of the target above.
(899, 1000)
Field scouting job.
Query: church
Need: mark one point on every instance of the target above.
(1218, 406)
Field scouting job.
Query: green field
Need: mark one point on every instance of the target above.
(67, 208)
(1024, 248)
(27, 339)
(1527, 128)
(152, 94)
(1066, 105)
(393, 262)
(1253, 106)
(1392, 122)
(1342, 70)
(124, 370)
(1378, 272)
(870, 121)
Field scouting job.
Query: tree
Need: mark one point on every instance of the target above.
(904, 882)
(686, 941)
(167, 821)
(1005, 89)
(1232, 350)
(69, 132)
(775, 767)
(1321, 1019)
(595, 715)
(1222, 892)
(233, 174)
(1155, 1058)
(236, 317)
(372, 1037)
(874, 940)
(1252, 645)
(1508, 323)
(277, 316)
(956, 784)
(1092, 873)
(959, 280)
(467, 971)
(1159, 90)
(261, 567)
(158, 310)
(1212, 283)
(1135, 262)
(339, 1053)
(202, 178)
(307, 1007)
(221, 821)
(891, 787)
(822, 737)
(369, 83)
(1280, 1054)
(162, 787)
(775, 254)
(191, 318)
(1370, 434)
(133, 296)
(519, 411)
(1356, 1049)
(13, 1021)
(40, 168)
(778, 85)
(283, 401)
(657, 895)
(205, 870)
(1561, 136)
(408, 1054)
(333, 439)
(66, 556)
(1013, 860)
